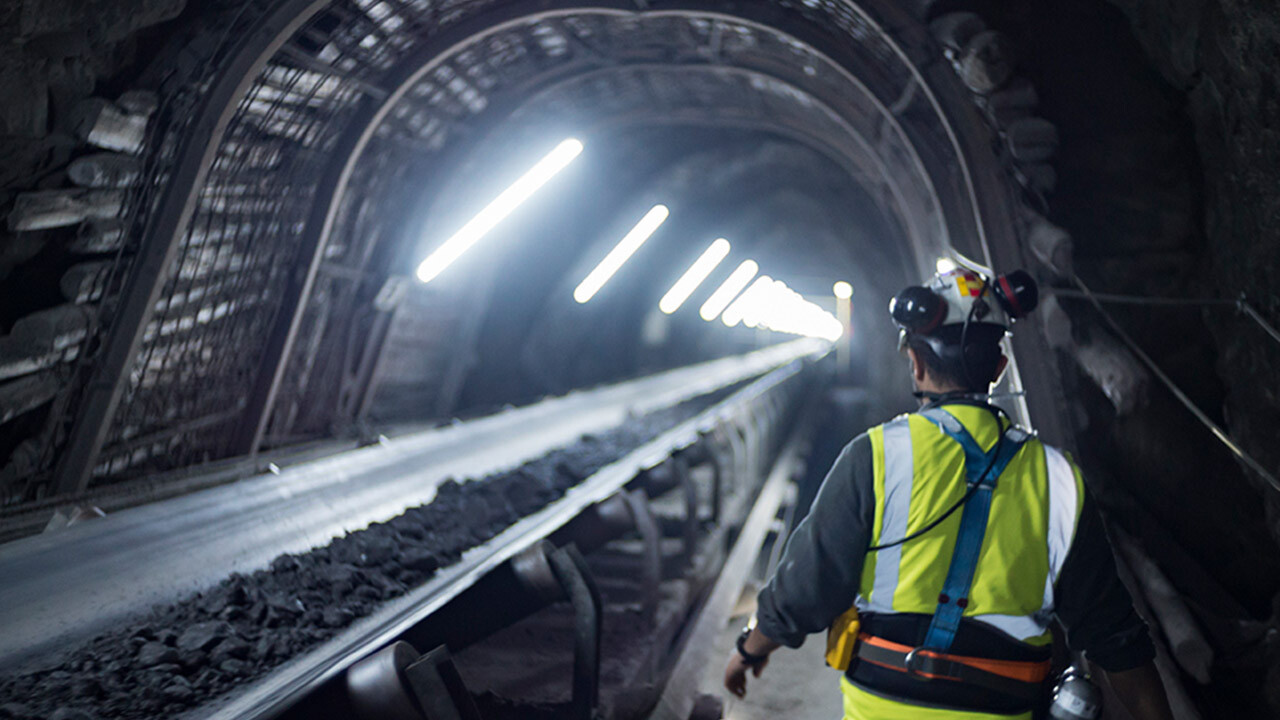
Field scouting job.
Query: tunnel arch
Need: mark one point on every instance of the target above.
(339, 99)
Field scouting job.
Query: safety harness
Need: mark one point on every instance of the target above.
(931, 661)
(1016, 678)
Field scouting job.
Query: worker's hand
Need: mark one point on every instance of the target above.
(735, 674)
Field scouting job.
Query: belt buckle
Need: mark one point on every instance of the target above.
(913, 663)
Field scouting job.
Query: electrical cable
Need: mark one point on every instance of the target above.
(1119, 299)
(996, 411)
(1208, 422)
(964, 334)
(1241, 305)
(1249, 310)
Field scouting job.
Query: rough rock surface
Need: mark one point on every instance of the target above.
(1169, 116)
(184, 654)
(1223, 55)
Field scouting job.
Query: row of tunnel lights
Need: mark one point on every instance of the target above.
(766, 303)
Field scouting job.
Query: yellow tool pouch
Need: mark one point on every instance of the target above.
(842, 638)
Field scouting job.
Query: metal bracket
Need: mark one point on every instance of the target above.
(750, 455)
(533, 568)
(439, 689)
(571, 571)
(554, 574)
(706, 451)
(690, 534)
(396, 683)
(651, 536)
(737, 454)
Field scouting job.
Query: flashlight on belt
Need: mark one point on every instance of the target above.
(1076, 696)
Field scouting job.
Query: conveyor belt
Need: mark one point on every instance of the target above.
(65, 587)
(273, 694)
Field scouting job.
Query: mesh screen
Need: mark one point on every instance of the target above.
(204, 348)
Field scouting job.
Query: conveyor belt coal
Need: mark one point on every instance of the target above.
(187, 653)
(190, 651)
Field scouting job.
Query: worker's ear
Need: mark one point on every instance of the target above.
(917, 367)
(1000, 367)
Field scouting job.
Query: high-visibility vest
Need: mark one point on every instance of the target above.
(919, 474)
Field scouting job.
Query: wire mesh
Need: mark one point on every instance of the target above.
(442, 107)
(205, 346)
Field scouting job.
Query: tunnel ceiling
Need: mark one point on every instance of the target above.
(308, 150)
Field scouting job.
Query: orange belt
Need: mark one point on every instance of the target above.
(1013, 677)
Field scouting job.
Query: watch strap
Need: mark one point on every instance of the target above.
(747, 657)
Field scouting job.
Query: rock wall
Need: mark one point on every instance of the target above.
(1225, 57)
(1169, 184)
(54, 53)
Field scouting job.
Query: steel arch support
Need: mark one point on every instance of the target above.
(989, 204)
(159, 244)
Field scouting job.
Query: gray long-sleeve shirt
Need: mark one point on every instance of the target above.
(820, 571)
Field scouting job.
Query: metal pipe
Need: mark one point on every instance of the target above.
(571, 570)
(651, 538)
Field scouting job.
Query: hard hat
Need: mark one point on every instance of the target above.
(962, 297)
(954, 314)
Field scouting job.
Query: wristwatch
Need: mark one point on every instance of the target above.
(748, 658)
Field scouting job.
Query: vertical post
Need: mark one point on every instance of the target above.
(737, 454)
(571, 571)
(709, 453)
(368, 385)
(315, 237)
(690, 537)
(651, 536)
(844, 313)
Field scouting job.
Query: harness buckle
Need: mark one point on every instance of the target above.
(914, 664)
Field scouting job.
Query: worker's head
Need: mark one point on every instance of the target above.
(952, 327)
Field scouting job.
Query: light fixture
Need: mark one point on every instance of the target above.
(774, 306)
(744, 307)
(842, 290)
(501, 206)
(724, 294)
(693, 277)
(945, 265)
(620, 253)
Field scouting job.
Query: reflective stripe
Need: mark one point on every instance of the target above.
(1063, 506)
(1013, 576)
(898, 478)
(1018, 627)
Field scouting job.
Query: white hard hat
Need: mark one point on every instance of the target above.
(963, 297)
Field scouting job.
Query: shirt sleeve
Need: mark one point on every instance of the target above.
(1093, 604)
(820, 570)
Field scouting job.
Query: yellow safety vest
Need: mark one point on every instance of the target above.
(919, 474)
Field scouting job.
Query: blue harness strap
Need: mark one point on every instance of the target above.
(973, 522)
